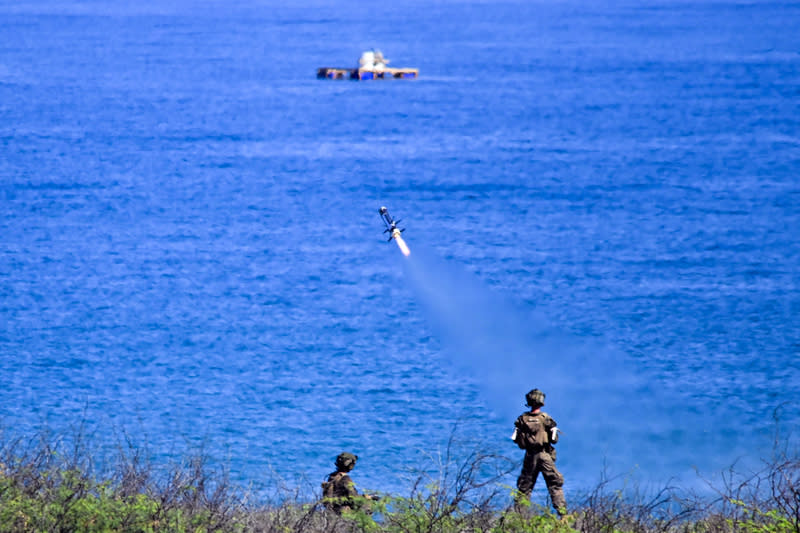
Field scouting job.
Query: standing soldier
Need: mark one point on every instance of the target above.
(339, 492)
(535, 432)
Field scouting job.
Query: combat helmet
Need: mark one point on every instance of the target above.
(346, 461)
(535, 398)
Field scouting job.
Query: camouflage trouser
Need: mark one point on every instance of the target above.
(543, 462)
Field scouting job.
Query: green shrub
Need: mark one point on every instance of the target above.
(45, 489)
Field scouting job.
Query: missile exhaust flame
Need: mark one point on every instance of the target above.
(401, 243)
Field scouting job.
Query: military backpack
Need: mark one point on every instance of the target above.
(532, 431)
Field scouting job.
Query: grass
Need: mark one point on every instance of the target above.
(49, 486)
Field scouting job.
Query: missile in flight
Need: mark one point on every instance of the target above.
(393, 231)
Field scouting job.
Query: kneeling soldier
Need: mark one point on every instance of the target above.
(339, 493)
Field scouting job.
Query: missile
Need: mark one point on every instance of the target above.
(391, 224)
(393, 231)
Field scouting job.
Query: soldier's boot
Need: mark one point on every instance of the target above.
(558, 502)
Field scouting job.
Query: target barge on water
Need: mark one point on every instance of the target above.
(371, 66)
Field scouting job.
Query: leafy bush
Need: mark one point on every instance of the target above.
(49, 486)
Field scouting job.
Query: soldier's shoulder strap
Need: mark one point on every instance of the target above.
(327, 487)
(334, 478)
(548, 420)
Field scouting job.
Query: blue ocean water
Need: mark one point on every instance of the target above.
(601, 201)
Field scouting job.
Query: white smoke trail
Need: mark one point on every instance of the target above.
(615, 420)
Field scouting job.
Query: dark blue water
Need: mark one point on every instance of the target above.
(601, 201)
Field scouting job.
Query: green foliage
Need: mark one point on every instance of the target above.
(72, 503)
(525, 522)
(362, 512)
(758, 521)
(69, 500)
(42, 490)
(418, 514)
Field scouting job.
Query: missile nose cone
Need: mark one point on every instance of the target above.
(382, 210)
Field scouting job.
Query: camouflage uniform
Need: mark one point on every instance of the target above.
(338, 491)
(534, 433)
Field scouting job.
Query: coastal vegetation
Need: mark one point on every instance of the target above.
(54, 485)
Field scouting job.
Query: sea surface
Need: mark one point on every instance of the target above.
(602, 200)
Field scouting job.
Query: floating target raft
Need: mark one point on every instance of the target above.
(331, 73)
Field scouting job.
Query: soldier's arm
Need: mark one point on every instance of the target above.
(552, 430)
